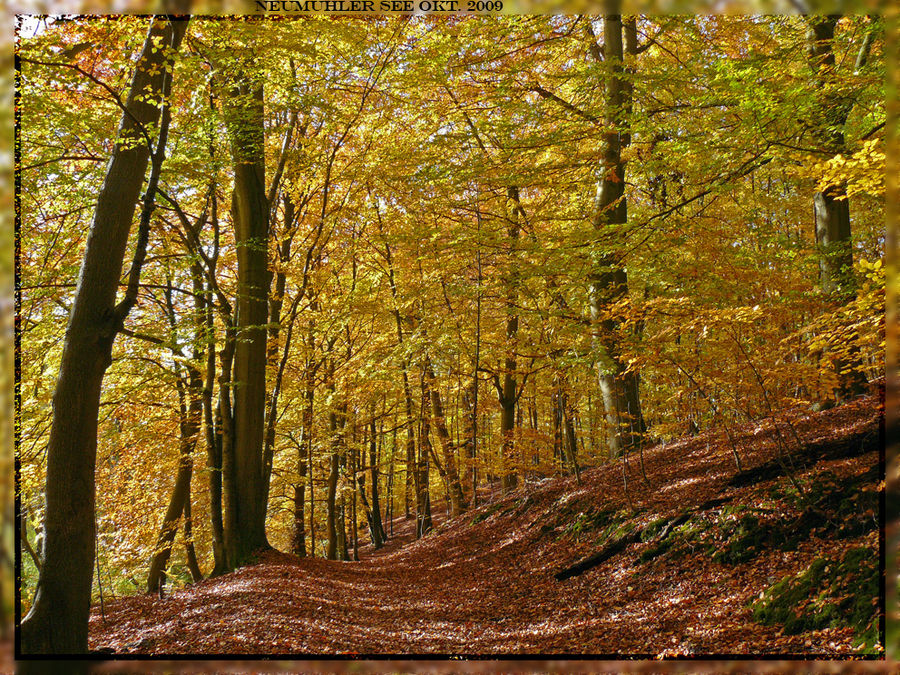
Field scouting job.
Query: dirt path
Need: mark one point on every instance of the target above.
(487, 587)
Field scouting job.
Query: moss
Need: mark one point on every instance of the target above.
(653, 529)
(742, 539)
(619, 526)
(827, 594)
(656, 550)
(841, 507)
(487, 513)
(592, 520)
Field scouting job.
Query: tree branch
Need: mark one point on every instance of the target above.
(544, 93)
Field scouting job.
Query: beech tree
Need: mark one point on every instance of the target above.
(831, 205)
(609, 285)
(245, 529)
(58, 620)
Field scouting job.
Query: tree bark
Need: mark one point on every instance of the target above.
(58, 620)
(274, 363)
(423, 494)
(609, 282)
(190, 408)
(212, 412)
(298, 541)
(190, 551)
(470, 435)
(336, 422)
(411, 481)
(354, 471)
(250, 212)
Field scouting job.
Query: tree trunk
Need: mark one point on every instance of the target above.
(342, 553)
(470, 433)
(250, 211)
(471, 399)
(58, 620)
(190, 552)
(423, 495)
(190, 409)
(298, 542)
(609, 283)
(377, 525)
(213, 443)
(335, 425)
(331, 506)
(830, 205)
(508, 396)
(190, 429)
(454, 488)
(273, 362)
(571, 444)
(225, 441)
(354, 523)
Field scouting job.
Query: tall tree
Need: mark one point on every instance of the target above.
(454, 487)
(831, 206)
(609, 282)
(245, 530)
(507, 392)
(58, 620)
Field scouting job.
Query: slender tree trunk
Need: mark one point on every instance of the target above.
(468, 442)
(58, 620)
(274, 363)
(213, 444)
(225, 440)
(190, 429)
(190, 552)
(508, 395)
(342, 529)
(190, 409)
(335, 425)
(557, 402)
(571, 444)
(312, 505)
(423, 495)
(354, 471)
(272, 409)
(454, 488)
(472, 447)
(298, 544)
(390, 499)
(377, 525)
(331, 505)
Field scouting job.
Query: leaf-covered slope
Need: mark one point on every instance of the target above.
(484, 583)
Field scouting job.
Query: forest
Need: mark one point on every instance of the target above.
(321, 303)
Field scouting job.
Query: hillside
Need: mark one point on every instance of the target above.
(484, 583)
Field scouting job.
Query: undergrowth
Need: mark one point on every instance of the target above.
(829, 506)
(828, 594)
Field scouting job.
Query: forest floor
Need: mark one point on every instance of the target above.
(484, 583)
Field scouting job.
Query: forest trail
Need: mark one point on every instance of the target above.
(483, 583)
